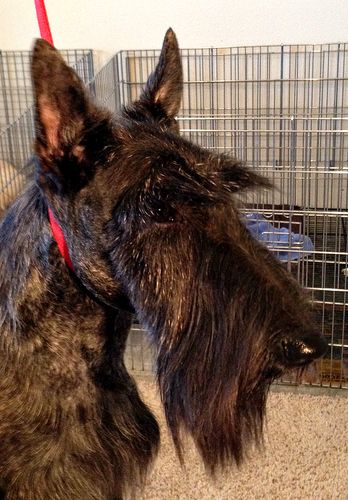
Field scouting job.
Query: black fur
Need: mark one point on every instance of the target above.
(151, 223)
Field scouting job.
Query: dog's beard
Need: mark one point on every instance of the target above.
(211, 341)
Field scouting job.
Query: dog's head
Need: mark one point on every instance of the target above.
(150, 216)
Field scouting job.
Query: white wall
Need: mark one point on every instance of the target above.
(111, 25)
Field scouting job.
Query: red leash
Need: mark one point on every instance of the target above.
(60, 239)
(42, 19)
(57, 232)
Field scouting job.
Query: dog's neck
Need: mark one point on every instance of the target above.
(57, 231)
(58, 235)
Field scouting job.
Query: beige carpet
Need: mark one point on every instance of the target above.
(305, 457)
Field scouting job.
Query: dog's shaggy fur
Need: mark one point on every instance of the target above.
(152, 226)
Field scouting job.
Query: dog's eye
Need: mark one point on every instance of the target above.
(164, 214)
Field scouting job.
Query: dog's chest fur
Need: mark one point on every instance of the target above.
(60, 355)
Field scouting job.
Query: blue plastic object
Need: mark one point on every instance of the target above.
(284, 244)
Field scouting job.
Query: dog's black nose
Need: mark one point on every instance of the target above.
(302, 351)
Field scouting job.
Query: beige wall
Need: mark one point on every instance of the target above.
(112, 25)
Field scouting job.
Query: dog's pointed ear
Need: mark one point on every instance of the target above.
(237, 177)
(61, 103)
(165, 85)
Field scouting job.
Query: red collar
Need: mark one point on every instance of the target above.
(60, 239)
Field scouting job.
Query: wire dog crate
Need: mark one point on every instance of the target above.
(283, 110)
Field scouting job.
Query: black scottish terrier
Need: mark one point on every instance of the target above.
(145, 221)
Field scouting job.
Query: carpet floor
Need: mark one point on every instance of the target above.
(305, 455)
